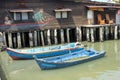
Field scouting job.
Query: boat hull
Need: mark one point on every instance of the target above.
(53, 65)
(18, 56)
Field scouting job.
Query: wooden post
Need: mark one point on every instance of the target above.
(101, 33)
(1, 40)
(78, 33)
(19, 40)
(4, 38)
(35, 38)
(88, 34)
(42, 38)
(38, 35)
(106, 32)
(14, 40)
(48, 37)
(62, 36)
(111, 31)
(31, 39)
(116, 32)
(55, 36)
(23, 39)
(10, 39)
(119, 32)
(92, 35)
(68, 37)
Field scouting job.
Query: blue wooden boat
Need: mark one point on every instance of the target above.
(43, 52)
(66, 60)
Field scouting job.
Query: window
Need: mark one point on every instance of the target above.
(24, 16)
(17, 16)
(58, 15)
(62, 13)
(21, 14)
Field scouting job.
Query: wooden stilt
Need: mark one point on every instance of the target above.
(88, 34)
(92, 35)
(106, 32)
(35, 38)
(62, 36)
(116, 32)
(23, 39)
(119, 32)
(30, 39)
(101, 33)
(4, 38)
(19, 40)
(111, 32)
(68, 36)
(55, 36)
(48, 37)
(10, 39)
(38, 36)
(78, 34)
(42, 38)
(14, 40)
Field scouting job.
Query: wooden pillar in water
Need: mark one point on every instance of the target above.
(23, 39)
(92, 34)
(30, 39)
(42, 38)
(14, 40)
(38, 36)
(79, 33)
(88, 34)
(62, 36)
(10, 39)
(55, 36)
(48, 37)
(35, 38)
(19, 40)
(111, 32)
(4, 37)
(68, 37)
(101, 33)
(116, 32)
(106, 32)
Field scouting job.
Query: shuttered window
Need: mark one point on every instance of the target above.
(58, 14)
(61, 14)
(24, 16)
(64, 14)
(21, 16)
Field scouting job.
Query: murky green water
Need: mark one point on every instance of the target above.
(107, 68)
